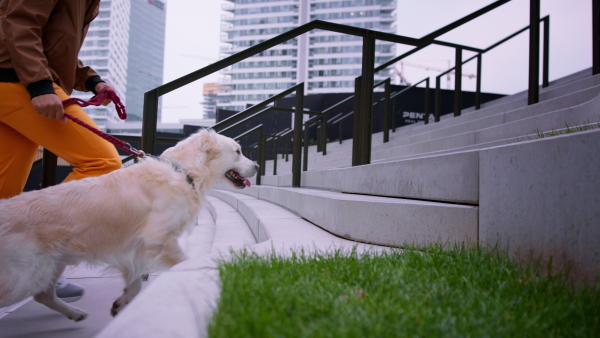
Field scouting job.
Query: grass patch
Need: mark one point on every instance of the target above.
(461, 292)
(538, 134)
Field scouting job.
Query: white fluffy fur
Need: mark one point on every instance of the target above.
(129, 219)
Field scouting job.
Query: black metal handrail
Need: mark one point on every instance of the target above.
(260, 154)
(458, 70)
(458, 96)
(363, 104)
(363, 90)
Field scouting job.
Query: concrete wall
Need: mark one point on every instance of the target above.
(542, 198)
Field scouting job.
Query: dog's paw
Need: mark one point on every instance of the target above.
(117, 306)
(77, 315)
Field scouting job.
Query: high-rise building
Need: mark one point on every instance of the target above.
(105, 50)
(146, 53)
(125, 45)
(210, 99)
(326, 62)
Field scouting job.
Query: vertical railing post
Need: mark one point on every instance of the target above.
(286, 147)
(319, 134)
(478, 84)
(357, 121)
(438, 100)
(149, 121)
(394, 115)
(297, 151)
(366, 102)
(48, 168)
(458, 82)
(275, 156)
(427, 101)
(263, 144)
(386, 110)
(595, 37)
(546, 53)
(534, 52)
(324, 129)
(305, 148)
(260, 155)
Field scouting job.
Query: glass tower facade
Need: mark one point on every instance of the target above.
(125, 46)
(326, 62)
(146, 53)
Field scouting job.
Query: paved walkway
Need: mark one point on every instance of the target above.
(31, 319)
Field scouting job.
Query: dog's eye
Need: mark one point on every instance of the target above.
(239, 152)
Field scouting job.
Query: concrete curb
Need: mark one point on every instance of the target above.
(373, 219)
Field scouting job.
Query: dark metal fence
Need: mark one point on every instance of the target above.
(364, 85)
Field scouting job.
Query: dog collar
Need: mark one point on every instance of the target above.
(188, 178)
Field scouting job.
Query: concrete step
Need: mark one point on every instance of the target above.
(475, 122)
(505, 104)
(338, 154)
(447, 176)
(541, 198)
(505, 129)
(374, 219)
(535, 198)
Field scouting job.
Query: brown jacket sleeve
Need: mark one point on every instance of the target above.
(86, 78)
(23, 39)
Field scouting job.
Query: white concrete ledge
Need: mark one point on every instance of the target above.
(379, 220)
(451, 177)
(542, 198)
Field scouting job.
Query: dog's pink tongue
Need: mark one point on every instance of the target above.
(247, 182)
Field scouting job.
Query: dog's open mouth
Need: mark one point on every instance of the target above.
(237, 179)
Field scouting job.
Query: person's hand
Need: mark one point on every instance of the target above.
(99, 87)
(49, 106)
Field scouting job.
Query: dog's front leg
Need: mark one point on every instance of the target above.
(129, 293)
(48, 298)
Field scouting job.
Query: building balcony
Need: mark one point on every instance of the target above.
(226, 37)
(229, 7)
(227, 27)
(226, 49)
(388, 15)
(389, 4)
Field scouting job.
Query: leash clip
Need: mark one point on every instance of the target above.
(135, 152)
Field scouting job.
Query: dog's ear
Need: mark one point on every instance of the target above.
(209, 144)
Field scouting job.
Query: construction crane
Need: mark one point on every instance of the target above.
(403, 81)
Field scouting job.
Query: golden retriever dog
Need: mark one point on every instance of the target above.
(129, 219)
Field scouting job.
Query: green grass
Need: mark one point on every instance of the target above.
(567, 130)
(433, 293)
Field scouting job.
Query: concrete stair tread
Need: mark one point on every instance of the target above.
(398, 221)
(503, 127)
(338, 154)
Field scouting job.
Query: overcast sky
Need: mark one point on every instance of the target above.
(193, 42)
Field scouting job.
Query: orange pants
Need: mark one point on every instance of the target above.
(23, 130)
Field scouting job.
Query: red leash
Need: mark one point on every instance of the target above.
(96, 101)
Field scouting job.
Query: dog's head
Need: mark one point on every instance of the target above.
(208, 155)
